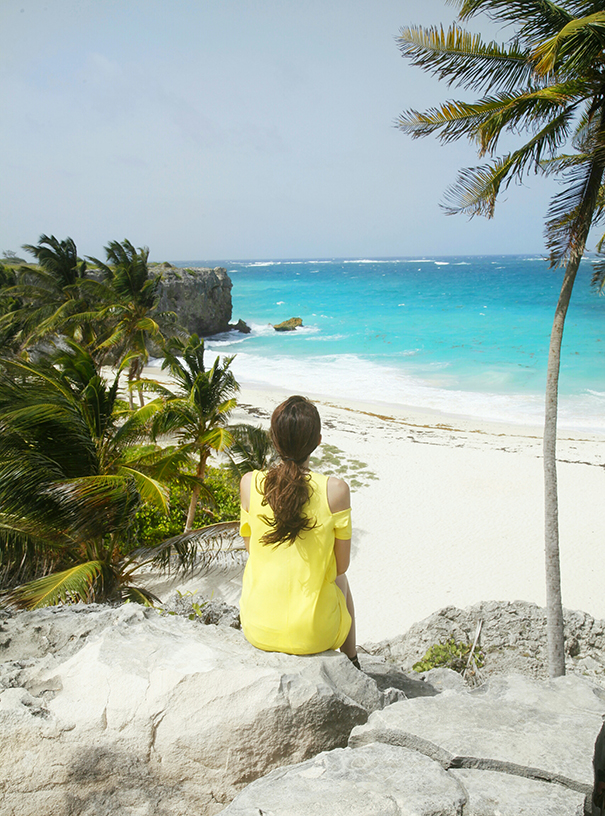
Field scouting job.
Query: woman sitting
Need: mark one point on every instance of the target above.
(296, 525)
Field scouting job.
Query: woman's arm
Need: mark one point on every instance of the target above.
(339, 498)
(244, 494)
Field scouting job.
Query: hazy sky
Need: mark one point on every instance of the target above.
(231, 129)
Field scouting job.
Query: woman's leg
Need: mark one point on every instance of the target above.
(349, 647)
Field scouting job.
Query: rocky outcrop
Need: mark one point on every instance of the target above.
(513, 639)
(201, 298)
(123, 710)
(514, 747)
(240, 326)
(128, 710)
(289, 325)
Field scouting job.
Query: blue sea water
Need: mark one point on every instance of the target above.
(464, 335)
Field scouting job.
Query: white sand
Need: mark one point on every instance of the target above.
(454, 514)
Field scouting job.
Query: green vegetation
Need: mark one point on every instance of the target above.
(546, 82)
(72, 476)
(450, 655)
(251, 449)
(151, 526)
(197, 414)
(128, 307)
(87, 492)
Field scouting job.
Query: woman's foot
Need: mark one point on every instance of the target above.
(355, 662)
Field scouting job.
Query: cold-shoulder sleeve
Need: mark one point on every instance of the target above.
(342, 524)
(244, 523)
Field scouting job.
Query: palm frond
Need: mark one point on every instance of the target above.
(598, 274)
(485, 120)
(140, 595)
(150, 489)
(476, 189)
(531, 18)
(197, 548)
(463, 59)
(574, 47)
(251, 449)
(572, 211)
(74, 584)
(217, 438)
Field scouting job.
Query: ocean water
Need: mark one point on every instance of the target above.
(464, 335)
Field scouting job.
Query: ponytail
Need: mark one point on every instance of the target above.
(296, 432)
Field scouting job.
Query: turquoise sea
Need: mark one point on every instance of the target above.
(464, 335)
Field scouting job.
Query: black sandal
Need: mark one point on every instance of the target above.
(355, 662)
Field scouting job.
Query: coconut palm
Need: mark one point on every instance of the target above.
(130, 296)
(197, 414)
(548, 82)
(70, 480)
(50, 294)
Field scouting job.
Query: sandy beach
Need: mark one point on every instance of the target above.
(447, 510)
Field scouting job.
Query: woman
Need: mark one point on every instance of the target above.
(296, 525)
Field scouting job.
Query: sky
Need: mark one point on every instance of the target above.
(234, 129)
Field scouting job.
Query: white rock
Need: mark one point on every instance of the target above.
(141, 714)
(550, 725)
(376, 780)
(403, 762)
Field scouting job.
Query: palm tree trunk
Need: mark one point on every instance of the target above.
(554, 603)
(201, 470)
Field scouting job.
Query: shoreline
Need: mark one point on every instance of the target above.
(448, 511)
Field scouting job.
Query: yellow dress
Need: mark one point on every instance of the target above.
(289, 601)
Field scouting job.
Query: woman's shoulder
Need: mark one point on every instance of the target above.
(251, 481)
(337, 492)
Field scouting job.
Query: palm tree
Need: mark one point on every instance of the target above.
(70, 480)
(197, 414)
(131, 297)
(50, 294)
(549, 81)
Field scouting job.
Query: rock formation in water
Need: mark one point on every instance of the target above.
(289, 325)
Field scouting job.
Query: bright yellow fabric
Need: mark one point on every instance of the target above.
(289, 601)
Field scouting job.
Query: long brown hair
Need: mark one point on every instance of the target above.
(296, 431)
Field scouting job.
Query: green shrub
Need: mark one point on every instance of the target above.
(449, 655)
(151, 527)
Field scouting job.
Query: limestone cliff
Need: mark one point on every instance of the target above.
(200, 297)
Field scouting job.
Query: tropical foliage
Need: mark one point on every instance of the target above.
(49, 296)
(86, 492)
(72, 477)
(546, 82)
(152, 526)
(128, 308)
(196, 415)
(251, 449)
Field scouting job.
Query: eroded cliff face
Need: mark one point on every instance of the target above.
(200, 297)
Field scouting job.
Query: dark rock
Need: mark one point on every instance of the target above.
(201, 298)
(240, 326)
(289, 325)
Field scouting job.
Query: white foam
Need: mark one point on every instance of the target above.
(347, 376)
